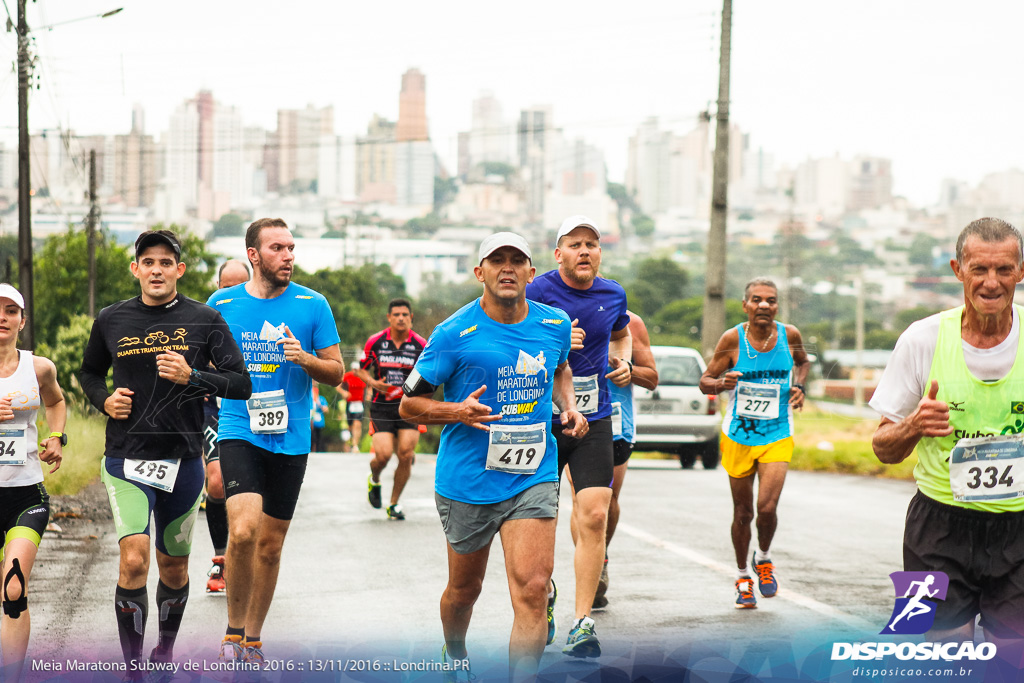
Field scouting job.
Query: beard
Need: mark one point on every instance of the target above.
(582, 278)
(273, 277)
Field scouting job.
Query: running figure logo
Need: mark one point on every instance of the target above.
(916, 592)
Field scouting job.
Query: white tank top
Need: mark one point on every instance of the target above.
(23, 390)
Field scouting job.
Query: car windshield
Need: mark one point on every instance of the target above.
(678, 371)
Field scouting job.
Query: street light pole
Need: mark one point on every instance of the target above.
(24, 183)
(714, 287)
(28, 339)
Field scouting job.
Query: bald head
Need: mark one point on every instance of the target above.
(232, 273)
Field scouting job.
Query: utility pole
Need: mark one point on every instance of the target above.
(714, 293)
(94, 214)
(858, 383)
(788, 261)
(28, 341)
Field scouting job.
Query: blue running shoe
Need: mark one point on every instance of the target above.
(766, 582)
(583, 641)
(745, 593)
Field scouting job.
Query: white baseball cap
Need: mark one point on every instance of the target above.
(9, 292)
(503, 239)
(577, 221)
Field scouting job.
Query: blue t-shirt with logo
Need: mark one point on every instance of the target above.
(624, 397)
(256, 325)
(517, 363)
(601, 310)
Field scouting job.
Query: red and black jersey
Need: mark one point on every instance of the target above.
(391, 362)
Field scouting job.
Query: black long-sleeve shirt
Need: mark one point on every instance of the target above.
(166, 419)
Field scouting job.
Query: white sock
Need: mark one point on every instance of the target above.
(759, 556)
(743, 573)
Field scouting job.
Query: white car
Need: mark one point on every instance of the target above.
(676, 417)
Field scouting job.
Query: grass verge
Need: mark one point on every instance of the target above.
(81, 463)
(826, 442)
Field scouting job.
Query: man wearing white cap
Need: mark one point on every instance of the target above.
(503, 362)
(601, 338)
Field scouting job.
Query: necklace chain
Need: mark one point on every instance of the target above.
(764, 344)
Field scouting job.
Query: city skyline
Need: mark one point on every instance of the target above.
(905, 82)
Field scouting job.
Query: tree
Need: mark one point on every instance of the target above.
(643, 225)
(679, 322)
(8, 258)
(358, 297)
(228, 225)
(626, 202)
(921, 248)
(445, 190)
(61, 275)
(497, 168)
(656, 282)
(438, 301)
(66, 353)
(427, 225)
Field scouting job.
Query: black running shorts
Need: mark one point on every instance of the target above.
(385, 418)
(590, 458)
(622, 450)
(983, 555)
(276, 477)
(24, 512)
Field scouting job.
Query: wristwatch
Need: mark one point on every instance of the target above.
(61, 435)
(629, 363)
(195, 378)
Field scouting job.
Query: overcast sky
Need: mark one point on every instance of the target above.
(932, 84)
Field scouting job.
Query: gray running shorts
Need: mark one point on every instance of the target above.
(470, 527)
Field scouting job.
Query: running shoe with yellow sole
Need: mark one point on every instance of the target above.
(455, 670)
(552, 629)
(373, 492)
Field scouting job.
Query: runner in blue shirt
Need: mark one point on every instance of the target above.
(231, 273)
(645, 374)
(289, 339)
(762, 365)
(502, 361)
(601, 338)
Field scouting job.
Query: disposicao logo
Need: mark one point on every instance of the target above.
(916, 593)
(913, 613)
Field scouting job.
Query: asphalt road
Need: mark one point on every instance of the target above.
(356, 586)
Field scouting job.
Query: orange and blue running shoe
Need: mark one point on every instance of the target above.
(745, 593)
(766, 582)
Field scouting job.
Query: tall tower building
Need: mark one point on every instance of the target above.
(647, 173)
(489, 138)
(375, 162)
(299, 132)
(182, 153)
(205, 107)
(412, 108)
(135, 163)
(535, 136)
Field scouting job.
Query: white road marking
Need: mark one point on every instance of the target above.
(788, 595)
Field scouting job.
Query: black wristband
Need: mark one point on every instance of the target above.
(629, 363)
(800, 387)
